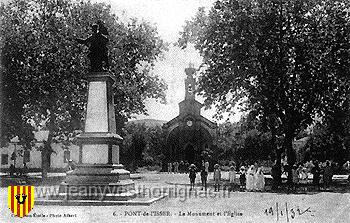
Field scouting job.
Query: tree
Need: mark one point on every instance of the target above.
(288, 59)
(256, 146)
(245, 141)
(44, 67)
(330, 139)
(143, 145)
(229, 136)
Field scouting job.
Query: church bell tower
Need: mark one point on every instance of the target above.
(190, 83)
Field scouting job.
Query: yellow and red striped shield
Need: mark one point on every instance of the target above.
(21, 199)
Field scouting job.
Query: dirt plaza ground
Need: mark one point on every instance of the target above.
(183, 205)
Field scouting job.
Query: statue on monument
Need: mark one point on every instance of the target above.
(97, 43)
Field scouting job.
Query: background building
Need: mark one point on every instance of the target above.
(188, 134)
(32, 158)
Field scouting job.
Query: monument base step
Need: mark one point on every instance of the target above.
(135, 199)
(98, 197)
(93, 188)
(97, 173)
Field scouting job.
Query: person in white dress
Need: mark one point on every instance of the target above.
(232, 177)
(206, 166)
(250, 178)
(303, 177)
(260, 180)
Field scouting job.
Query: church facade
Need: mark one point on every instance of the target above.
(188, 134)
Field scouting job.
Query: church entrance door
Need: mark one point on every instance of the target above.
(190, 153)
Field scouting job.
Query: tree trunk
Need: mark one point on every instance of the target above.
(279, 165)
(288, 146)
(46, 153)
(277, 178)
(2, 96)
(44, 163)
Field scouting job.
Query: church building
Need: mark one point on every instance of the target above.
(188, 134)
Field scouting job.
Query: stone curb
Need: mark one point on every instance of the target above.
(98, 203)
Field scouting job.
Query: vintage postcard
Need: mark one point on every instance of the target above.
(175, 111)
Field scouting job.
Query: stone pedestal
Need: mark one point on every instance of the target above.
(99, 171)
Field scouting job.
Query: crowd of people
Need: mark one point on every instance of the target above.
(252, 178)
(320, 172)
(182, 167)
(18, 171)
(255, 180)
(178, 167)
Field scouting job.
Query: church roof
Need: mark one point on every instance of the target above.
(202, 119)
(190, 107)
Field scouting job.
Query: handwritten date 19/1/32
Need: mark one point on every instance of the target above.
(284, 212)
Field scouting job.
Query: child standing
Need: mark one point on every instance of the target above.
(251, 179)
(260, 180)
(303, 177)
(295, 177)
(192, 175)
(232, 177)
(316, 171)
(176, 167)
(217, 177)
(169, 167)
(206, 166)
(242, 179)
(204, 176)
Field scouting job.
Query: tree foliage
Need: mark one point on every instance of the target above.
(142, 145)
(288, 59)
(43, 67)
(330, 138)
(244, 141)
